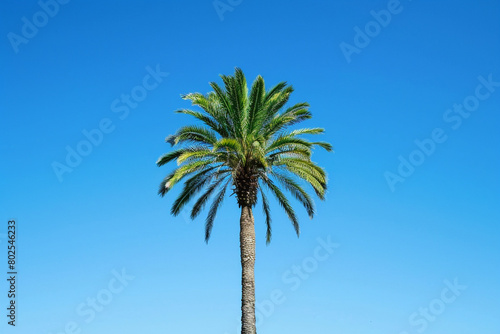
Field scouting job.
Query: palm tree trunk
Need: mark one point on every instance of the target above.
(247, 249)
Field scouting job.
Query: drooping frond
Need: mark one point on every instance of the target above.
(213, 211)
(191, 187)
(200, 203)
(307, 171)
(267, 212)
(187, 169)
(296, 190)
(283, 201)
(165, 185)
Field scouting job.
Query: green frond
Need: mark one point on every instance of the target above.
(267, 212)
(315, 170)
(259, 155)
(286, 142)
(301, 106)
(268, 108)
(166, 158)
(205, 102)
(165, 184)
(257, 94)
(283, 201)
(275, 90)
(307, 131)
(197, 134)
(296, 190)
(213, 211)
(305, 174)
(200, 203)
(226, 106)
(290, 151)
(229, 144)
(289, 136)
(278, 123)
(299, 112)
(277, 101)
(239, 92)
(195, 155)
(191, 187)
(187, 169)
(181, 154)
(211, 105)
(206, 119)
(273, 104)
(327, 146)
(291, 116)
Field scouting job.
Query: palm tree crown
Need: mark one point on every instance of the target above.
(244, 143)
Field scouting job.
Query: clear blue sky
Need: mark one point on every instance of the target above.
(401, 234)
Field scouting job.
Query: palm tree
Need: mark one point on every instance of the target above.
(243, 143)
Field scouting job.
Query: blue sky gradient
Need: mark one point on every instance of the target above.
(407, 222)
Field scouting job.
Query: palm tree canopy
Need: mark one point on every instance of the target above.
(244, 142)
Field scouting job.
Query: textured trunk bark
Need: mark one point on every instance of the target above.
(247, 250)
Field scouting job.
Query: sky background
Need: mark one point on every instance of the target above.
(397, 246)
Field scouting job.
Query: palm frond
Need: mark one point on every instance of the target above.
(191, 187)
(207, 119)
(200, 203)
(257, 94)
(296, 190)
(202, 153)
(193, 133)
(327, 146)
(283, 201)
(166, 158)
(187, 169)
(211, 106)
(288, 141)
(229, 144)
(233, 120)
(209, 223)
(165, 184)
(267, 212)
(319, 186)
